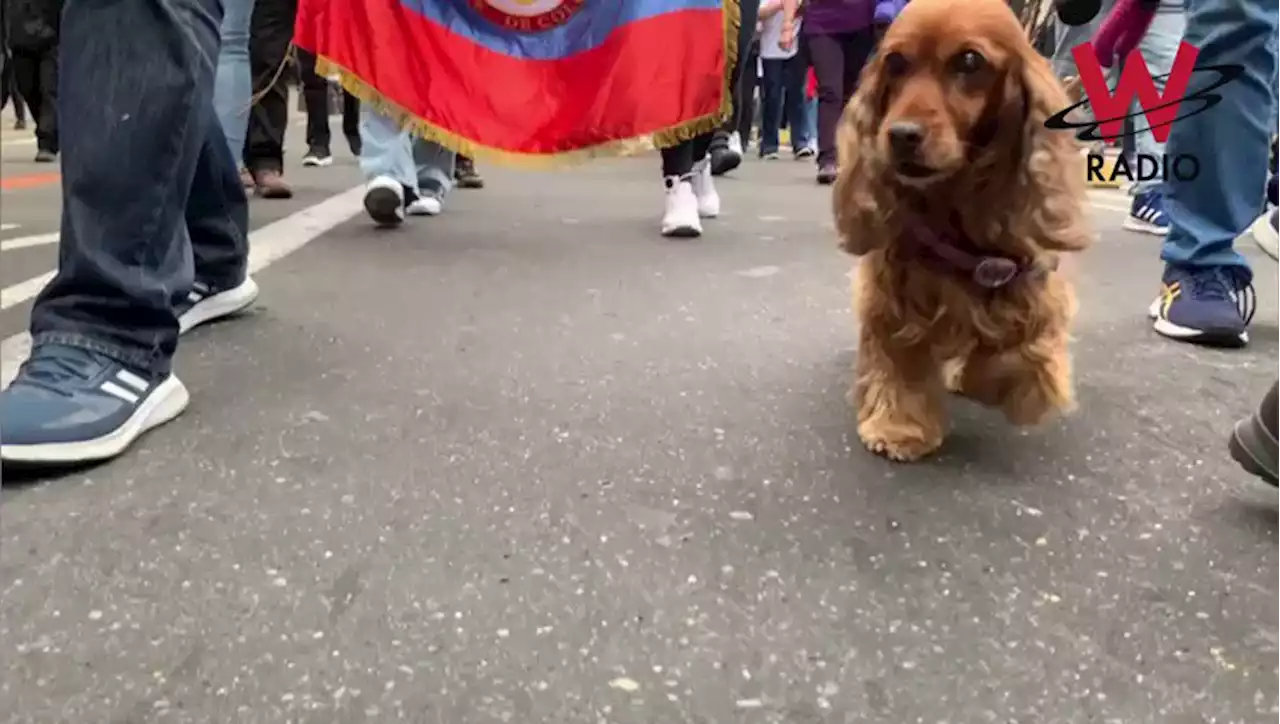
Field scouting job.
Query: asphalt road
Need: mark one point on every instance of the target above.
(529, 462)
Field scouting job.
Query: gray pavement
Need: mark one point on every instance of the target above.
(529, 462)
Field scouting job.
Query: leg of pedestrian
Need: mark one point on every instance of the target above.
(386, 160)
(1206, 293)
(105, 329)
(434, 166)
(1158, 48)
(315, 94)
(233, 87)
(269, 41)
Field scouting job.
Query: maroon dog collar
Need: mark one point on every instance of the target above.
(952, 252)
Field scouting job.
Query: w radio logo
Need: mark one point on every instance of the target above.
(1159, 110)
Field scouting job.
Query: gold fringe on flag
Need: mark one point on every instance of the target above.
(663, 138)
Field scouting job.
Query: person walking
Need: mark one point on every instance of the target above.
(153, 237)
(33, 32)
(233, 83)
(317, 95)
(1206, 292)
(686, 167)
(1158, 48)
(838, 38)
(270, 37)
(404, 175)
(783, 88)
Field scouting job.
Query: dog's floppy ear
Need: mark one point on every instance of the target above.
(861, 209)
(1054, 170)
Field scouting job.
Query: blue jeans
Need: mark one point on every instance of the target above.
(1230, 140)
(1158, 47)
(783, 93)
(424, 167)
(150, 194)
(233, 84)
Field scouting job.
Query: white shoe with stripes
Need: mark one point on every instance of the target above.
(70, 405)
(205, 304)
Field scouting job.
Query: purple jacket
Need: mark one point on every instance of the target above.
(829, 17)
(887, 10)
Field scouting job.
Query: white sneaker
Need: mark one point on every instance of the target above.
(1265, 234)
(384, 201)
(424, 206)
(704, 188)
(735, 142)
(681, 216)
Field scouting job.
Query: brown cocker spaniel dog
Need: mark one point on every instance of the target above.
(959, 202)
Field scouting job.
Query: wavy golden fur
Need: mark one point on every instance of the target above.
(962, 74)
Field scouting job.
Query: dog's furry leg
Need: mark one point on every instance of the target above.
(1029, 384)
(900, 399)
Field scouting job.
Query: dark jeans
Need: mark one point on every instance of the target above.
(316, 93)
(150, 194)
(678, 160)
(837, 61)
(35, 74)
(9, 92)
(782, 98)
(270, 35)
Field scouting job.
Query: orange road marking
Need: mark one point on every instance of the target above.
(28, 181)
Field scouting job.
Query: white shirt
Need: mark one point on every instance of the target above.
(771, 36)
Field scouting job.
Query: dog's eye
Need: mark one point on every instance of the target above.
(968, 62)
(896, 64)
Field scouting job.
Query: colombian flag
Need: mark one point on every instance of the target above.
(532, 81)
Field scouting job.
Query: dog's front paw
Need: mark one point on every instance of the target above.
(900, 443)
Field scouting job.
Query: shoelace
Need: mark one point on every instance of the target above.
(1221, 284)
(48, 372)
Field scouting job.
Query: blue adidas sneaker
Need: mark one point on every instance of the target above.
(1147, 215)
(70, 405)
(1211, 306)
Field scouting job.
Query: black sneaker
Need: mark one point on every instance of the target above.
(1253, 440)
(384, 201)
(46, 156)
(1211, 306)
(726, 155)
(357, 146)
(827, 174)
(20, 124)
(317, 156)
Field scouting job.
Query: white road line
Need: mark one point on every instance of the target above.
(6, 227)
(267, 245)
(23, 242)
(21, 292)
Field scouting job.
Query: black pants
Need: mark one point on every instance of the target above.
(270, 35)
(678, 160)
(35, 73)
(315, 93)
(9, 92)
(837, 62)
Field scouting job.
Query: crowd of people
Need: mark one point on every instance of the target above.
(141, 265)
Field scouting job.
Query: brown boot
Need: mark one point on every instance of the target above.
(246, 180)
(271, 185)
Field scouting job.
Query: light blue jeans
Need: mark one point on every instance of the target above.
(233, 84)
(424, 167)
(1230, 140)
(1159, 47)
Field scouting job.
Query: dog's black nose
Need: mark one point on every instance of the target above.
(905, 137)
